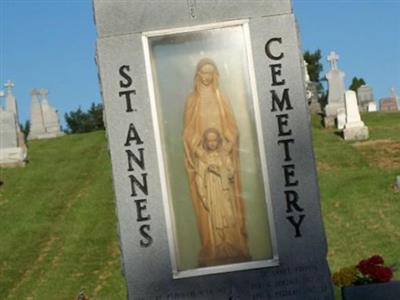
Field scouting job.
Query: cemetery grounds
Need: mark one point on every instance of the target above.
(58, 224)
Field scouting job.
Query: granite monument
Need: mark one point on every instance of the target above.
(44, 118)
(336, 91)
(13, 151)
(210, 143)
(365, 98)
(354, 129)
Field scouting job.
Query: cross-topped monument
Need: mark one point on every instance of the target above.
(44, 118)
(9, 84)
(34, 92)
(12, 145)
(333, 58)
(43, 92)
(336, 91)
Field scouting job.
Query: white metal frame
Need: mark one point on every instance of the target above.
(166, 195)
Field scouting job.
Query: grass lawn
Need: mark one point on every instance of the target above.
(58, 223)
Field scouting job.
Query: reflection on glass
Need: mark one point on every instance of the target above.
(210, 147)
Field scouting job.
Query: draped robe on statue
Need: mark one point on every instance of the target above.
(207, 108)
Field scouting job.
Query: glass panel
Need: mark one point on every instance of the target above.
(210, 147)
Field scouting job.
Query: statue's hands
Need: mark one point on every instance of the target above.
(214, 169)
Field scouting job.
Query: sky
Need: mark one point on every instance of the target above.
(51, 44)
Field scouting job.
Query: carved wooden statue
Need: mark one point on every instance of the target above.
(211, 142)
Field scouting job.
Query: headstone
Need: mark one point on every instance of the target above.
(306, 75)
(354, 128)
(389, 104)
(13, 151)
(175, 153)
(50, 116)
(336, 91)
(311, 92)
(44, 118)
(37, 125)
(365, 96)
(11, 103)
(341, 118)
(312, 95)
(372, 107)
(398, 182)
(8, 133)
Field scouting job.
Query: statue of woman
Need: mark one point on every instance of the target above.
(207, 108)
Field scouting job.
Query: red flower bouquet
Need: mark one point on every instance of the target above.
(371, 270)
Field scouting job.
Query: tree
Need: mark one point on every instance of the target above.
(314, 68)
(26, 128)
(356, 83)
(79, 121)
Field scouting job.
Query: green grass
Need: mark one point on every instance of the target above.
(58, 225)
(360, 205)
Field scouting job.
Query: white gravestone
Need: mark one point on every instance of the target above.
(336, 91)
(354, 129)
(50, 116)
(341, 118)
(242, 53)
(311, 92)
(13, 151)
(372, 107)
(44, 118)
(365, 96)
(8, 133)
(37, 125)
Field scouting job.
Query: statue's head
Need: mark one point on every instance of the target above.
(206, 73)
(211, 139)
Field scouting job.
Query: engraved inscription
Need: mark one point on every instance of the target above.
(192, 9)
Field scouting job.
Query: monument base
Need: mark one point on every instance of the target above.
(12, 157)
(329, 122)
(44, 136)
(331, 112)
(356, 133)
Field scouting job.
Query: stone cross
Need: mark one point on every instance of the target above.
(43, 92)
(333, 58)
(34, 92)
(9, 86)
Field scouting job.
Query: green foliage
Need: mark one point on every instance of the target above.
(57, 223)
(26, 128)
(314, 68)
(356, 83)
(79, 121)
(360, 205)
